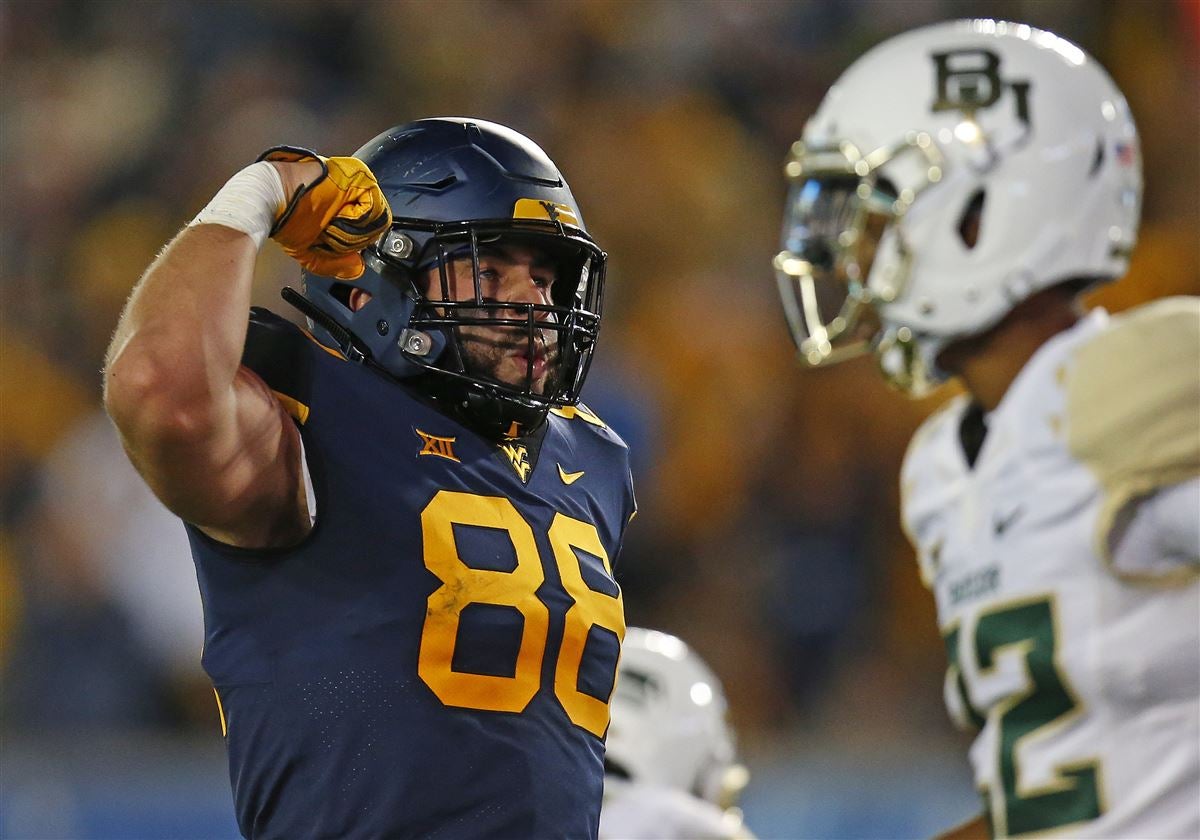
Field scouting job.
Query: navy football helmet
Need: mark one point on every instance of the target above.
(455, 185)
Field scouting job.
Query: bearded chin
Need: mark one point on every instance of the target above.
(482, 359)
(554, 377)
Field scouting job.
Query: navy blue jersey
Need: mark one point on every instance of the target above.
(435, 659)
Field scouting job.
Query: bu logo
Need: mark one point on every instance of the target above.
(443, 447)
(518, 456)
(968, 80)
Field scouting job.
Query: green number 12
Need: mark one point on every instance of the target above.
(1044, 703)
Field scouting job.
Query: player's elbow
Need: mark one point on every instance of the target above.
(149, 403)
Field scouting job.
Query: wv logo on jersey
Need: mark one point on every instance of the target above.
(518, 457)
(968, 80)
(443, 447)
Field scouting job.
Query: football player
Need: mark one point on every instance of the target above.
(671, 770)
(403, 522)
(957, 189)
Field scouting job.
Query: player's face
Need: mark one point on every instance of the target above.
(508, 273)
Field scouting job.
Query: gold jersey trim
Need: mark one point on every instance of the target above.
(570, 412)
(221, 712)
(294, 407)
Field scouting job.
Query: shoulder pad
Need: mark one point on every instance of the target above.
(583, 417)
(944, 421)
(580, 412)
(582, 421)
(1133, 403)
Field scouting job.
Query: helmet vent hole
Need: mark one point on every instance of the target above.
(1098, 158)
(341, 293)
(612, 768)
(969, 222)
(434, 184)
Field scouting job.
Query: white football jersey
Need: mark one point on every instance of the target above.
(1079, 670)
(633, 811)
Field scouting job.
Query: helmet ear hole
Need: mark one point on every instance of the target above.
(972, 216)
(1098, 158)
(341, 293)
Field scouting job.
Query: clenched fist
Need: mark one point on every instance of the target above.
(329, 220)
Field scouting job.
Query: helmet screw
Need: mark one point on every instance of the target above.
(415, 342)
(382, 327)
(398, 245)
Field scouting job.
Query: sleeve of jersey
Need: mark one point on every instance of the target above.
(632, 498)
(630, 502)
(1158, 537)
(1133, 407)
(281, 353)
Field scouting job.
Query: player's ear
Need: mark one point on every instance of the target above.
(358, 298)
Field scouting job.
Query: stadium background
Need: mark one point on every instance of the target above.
(767, 536)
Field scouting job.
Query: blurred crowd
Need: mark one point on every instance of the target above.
(768, 533)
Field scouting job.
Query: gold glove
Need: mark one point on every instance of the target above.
(326, 224)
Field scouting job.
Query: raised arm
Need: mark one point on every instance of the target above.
(206, 433)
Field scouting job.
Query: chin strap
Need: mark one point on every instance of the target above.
(499, 417)
(483, 410)
(347, 343)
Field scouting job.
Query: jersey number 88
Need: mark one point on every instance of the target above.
(517, 589)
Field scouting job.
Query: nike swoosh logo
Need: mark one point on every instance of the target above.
(569, 478)
(1002, 524)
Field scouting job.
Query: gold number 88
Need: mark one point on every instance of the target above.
(463, 585)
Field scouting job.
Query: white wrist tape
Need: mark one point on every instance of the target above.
(248, 202)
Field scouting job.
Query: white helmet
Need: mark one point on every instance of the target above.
(952, 172)
(668, 723)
